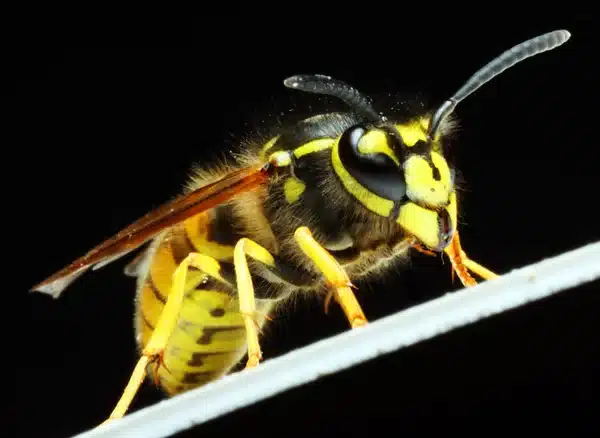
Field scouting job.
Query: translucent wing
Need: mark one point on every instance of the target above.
(139, 265)
(144, 229)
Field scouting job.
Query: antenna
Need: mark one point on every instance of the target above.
(506, 60)
(326, 85)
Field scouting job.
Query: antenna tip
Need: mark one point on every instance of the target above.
(565, 34)
(293, 81)
(300, 81)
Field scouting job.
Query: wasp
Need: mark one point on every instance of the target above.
(317, 205)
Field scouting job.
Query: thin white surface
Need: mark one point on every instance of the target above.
(355, 346)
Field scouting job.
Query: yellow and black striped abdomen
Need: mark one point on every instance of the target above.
(209, 338)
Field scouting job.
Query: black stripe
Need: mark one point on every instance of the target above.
(146, 322)
(209, 332)
(189, 242)
(197, 359)
(155, 291)
(198, 377)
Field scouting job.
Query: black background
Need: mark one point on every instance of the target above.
(111, 117)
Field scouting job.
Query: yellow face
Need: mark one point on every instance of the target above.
(434, 228)
(431, 213)
(405, 179)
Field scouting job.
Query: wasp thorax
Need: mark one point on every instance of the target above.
(428, 179)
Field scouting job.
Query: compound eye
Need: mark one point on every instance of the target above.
(369, 153)
(369, 157)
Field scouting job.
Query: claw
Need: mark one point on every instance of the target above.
(253, 361)
(158, 360)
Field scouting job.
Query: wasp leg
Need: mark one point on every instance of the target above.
(135, 381)
(245, 289)
(154, 349)
(461, 264)
(334, 274)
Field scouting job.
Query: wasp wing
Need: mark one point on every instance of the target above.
(140, 264)
(147, 227)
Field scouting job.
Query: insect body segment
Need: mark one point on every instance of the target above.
(321, 203)
(207, 320)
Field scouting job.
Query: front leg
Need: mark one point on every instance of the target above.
(334, 274)
(461, 264)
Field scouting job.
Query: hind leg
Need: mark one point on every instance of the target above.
(154, 349)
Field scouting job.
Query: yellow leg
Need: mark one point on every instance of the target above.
(245, 289)
(153, 352)
(334, 274)
(461, 264)
(137, 377)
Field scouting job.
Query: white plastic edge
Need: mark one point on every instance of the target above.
(342, 351)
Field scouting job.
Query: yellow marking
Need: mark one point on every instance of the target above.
(313, 146)
(198, 307)
(144, 332)
(202, 301)
(421, 187)
(293, 189)
(375, 203)
(197, 228)
(452, 210)
(423, 223)
(280, 158)
(414, 131)
(334, 274)
(267, 146)
(150, 305)
(162, 268)
(376, 142)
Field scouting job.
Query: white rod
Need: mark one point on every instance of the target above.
(352, 347)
